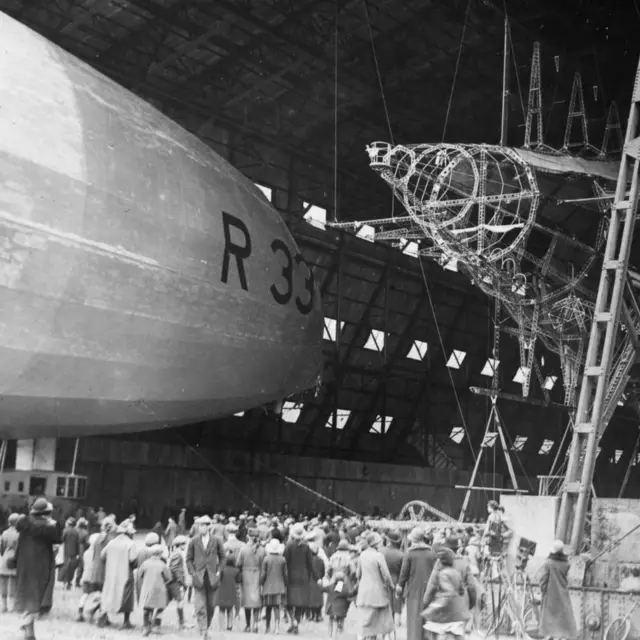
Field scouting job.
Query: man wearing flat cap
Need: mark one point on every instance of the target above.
(205, 560)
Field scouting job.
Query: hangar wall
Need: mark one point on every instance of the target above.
(171, 476)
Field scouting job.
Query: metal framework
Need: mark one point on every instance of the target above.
(602, 369)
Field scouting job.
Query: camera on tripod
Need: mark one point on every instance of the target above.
(526, 548)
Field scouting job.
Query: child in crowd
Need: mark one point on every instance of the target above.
(340, 590)
(227, 592)
(153, 578)
(273, 582)
(90, 598)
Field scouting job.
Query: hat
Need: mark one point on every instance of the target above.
(151, 538)
(446, 556)
(203, 520)
(310, 536)
(41, 507)
(394, 536)
(71, 522)
(126, 527)
(417, 535)
(232, 528)
(83, 522)
(157, 550)
(13, 518)
(557, 546)
(374, 539)
(343, 545)
(273, 546)
(452, 543)
(93, 538)
(297, 531)
(178, 541)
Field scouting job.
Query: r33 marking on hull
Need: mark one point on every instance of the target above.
(241, 252)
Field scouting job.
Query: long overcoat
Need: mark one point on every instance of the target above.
(249, 563)
(316, 596)
(556, 618)
(374, 579)
(8, 547)
(96, 576)
(394, 558)
(416, 570)
(35, 566)
(300, 569)
(120, 558)
(153, 578)
(274, 575)
(71, 549)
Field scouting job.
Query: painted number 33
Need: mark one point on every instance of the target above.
(282, 292)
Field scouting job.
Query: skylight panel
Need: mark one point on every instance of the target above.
(490, 366)
(489, 439)
(617, 455)
(342, 415)
(550, 382)
(451, 265)
(291, 411)
(456, 359)
(268, 192)
(418, 350)
(519, 443)
(546, 447)
(367, 232)
(457, 434)
(239, 414)
(379, 425)
(317, 216)
(521, 375)
(411, 249)
(330, 329)
(375, 342)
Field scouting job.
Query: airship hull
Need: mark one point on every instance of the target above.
(144, 281)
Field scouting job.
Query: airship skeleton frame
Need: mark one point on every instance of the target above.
(496, 214)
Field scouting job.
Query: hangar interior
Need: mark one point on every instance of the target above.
(290, 94)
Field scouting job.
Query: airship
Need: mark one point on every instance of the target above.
(144, 281)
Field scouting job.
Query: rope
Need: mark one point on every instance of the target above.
(208, 462)
(379, 75)
(455, 73)
(453, 386)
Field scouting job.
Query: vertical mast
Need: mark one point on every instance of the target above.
(505, 84)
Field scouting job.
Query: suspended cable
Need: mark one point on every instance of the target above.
(455, 73)
(379, 75)
(335, 116)
(213, 468)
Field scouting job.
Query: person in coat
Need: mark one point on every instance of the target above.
(71, 551)
(82, 527)
(35, 562)
(316, 597)
(205, 560)
(394, 558)
(249, 563)
(273, 582)
(445, 599)
(170, 532)
(177, 567)
(8, 550)
(300, 571)
(556, 616)
(228, 597)
(106, 535)
(153, 578)
(88, 588)
(374, 591)
(182, 522)
(416, 570)
(340, 589)
(118, 589)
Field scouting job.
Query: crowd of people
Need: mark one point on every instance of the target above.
(263, 568)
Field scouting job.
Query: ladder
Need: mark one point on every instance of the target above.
(596, 401)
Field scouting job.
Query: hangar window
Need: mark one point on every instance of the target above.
(489, 439)
(330, 329)
(456, 359)
(239, 414)
(549, 382)
(451, 265)
(457, 434)
(317, 216)
(546, 447)
(291, 411)
(521, 375)
(268, 192)
(367, 232)
(342, 415)
(418, 351)
(519, 442)
(375, 342)
(617, 455)
(379, 425)
(598, 451)
(410, 247)
(490, 367)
